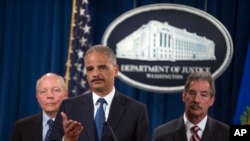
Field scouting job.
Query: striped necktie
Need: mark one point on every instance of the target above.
(194, 131)
(50, 122)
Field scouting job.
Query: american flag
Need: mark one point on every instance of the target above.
(79, 43)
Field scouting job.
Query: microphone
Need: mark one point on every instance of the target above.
(111, 130)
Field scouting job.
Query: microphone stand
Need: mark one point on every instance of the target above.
(111, 130)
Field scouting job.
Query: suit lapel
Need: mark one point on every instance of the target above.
(116, 110)
(87, 116)
(208, 134)
(36, 131)
(180, 134)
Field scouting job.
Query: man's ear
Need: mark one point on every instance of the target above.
(184, 96)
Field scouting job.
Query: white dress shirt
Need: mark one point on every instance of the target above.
(189, 125)
(106, 106)
(45, 124)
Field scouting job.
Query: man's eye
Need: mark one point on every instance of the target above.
(191, 93)
(56, 90)
(89, 69)
(204, 94)
(102, 67)
(42, 92)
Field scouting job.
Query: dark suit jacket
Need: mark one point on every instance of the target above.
(176, 131)
(127, 117)
(28, 129)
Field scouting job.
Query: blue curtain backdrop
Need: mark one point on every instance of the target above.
(34, 37)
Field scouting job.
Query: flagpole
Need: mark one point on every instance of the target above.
(135, 3)
(205, 6)
(68, 64)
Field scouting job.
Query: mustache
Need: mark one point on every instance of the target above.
(195, 105)
(96, 79)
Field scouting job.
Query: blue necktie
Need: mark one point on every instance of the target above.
(50, 123)
(100, 118)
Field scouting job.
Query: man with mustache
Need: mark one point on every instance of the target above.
(124, 116)
(195, 124)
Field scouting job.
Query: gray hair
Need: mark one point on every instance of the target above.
(201, 75)
(103, 49)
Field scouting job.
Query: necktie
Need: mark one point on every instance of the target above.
(195, 136)
(100, 118)
(50, 123)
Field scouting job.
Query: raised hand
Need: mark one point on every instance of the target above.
(72, 129)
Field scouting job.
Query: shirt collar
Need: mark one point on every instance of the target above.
(201, 124)
(46, 118)
(108, 97)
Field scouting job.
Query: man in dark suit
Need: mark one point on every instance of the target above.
(126, 117)
(50, 92)
(195, 124)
